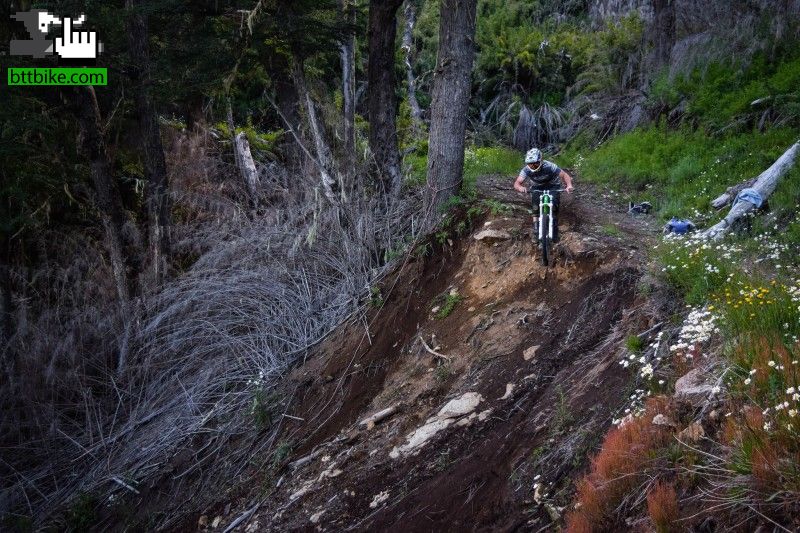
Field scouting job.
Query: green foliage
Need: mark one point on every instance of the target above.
(522, 47)
(282, 452)
(785, 200)
(375, 297)
(634, 343)
(442, 373)
(480, 161)
(415, 167)
(265, 407)
(496, 207)
(696, 268)
(724, 93)
(679, 171)
(17, 523)
(563, 417)
(82, 514)
(449, 304)
(39, 169)
(263, 142)
(390, 255)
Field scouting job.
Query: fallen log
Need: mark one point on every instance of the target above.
(730, 194)
(764, 184)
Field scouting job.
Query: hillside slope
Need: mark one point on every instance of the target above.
(491, 432)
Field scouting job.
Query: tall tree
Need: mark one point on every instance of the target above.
(155, 168)
(107, 198)
(347, 50)
(382, 98)
(410, 14)
(450, 102)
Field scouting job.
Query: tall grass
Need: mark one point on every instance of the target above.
(679, 171)
(717, 136)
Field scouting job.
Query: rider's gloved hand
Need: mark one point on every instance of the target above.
(570, 189)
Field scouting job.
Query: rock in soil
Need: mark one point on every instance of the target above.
(692, 388)
(492, 235)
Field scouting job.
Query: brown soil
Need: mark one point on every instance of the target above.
(541, 416)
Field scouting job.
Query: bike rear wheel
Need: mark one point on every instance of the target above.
(545, 241)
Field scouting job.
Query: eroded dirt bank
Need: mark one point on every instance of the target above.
(485, 414)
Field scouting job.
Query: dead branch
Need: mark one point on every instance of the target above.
(432, 351)
(379, 416)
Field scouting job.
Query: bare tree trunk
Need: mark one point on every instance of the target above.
(450, 103)
(6, 304)
(107, 196)
(155, 168)
(287, 105)
(410, 12)
(248, 166)
(194, 114)
(765, 185)
(243, 157)
(382, 98)
(348, 55)
(331, 182)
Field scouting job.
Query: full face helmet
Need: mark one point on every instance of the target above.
(534, 156)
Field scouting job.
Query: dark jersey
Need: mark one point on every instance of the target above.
(546, 177)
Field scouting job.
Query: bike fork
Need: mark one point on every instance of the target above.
(541, 215)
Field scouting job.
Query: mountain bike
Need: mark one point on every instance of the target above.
(547, 220)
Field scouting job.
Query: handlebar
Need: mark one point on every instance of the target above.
(547, 190)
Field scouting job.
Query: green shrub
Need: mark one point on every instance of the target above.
(281, 453)
(82, 513)
(482, 161)
(375, 297)
(450, 303)
(634, 343)
(696, 268)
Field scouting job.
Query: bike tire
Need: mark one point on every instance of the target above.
(545, 242)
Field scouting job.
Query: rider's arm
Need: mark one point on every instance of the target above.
(567, 180)
(519, 185)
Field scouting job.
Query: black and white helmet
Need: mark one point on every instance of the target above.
(534, 155)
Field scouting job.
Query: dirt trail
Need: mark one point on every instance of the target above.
(489, 431)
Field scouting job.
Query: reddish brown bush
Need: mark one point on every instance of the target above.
(577, 522)
(592, 503)
(662, 506)
(617, 467)
(764, 464)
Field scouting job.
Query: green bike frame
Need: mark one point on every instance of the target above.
(545, 205)
(546, 216)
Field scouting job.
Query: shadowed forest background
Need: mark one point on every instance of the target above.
(174, 243)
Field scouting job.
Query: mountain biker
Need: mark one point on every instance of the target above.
(544, 175)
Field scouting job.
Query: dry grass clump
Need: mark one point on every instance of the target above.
(618, 468)
(662, 506)
(258, 288)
